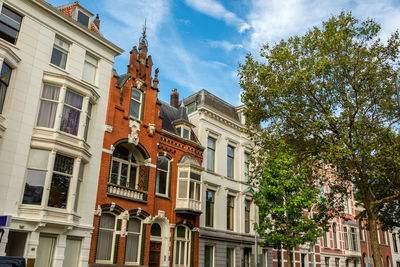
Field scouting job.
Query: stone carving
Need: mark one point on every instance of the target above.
(152, 128)
(133, 137)
(138, 211)
(112, 206)
(147, 220)
(109, 128)
(98, 211)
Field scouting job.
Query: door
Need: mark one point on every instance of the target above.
(246, 257)
(45, 251)
(154, 257)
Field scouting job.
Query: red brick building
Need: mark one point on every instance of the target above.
(148, 200)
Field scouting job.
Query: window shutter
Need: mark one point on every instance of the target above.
(143, 244)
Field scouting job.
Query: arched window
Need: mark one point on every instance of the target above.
(182, 246)
(106, 238)
(135, 109)
(133, 238)
(162, 179)
(124, 168)
(334, 232)
(155, 230)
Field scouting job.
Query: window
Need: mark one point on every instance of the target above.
(279, 252)
(16, 244)
(45, 250)
(394, 243)
(189, 182)
(326, 261)
(89, 69)
(230, 161)
(208, 256)
(246, 166)
(303, 259)
(5, 77)
(132, 249)
(337, 262)
(210, 208)
(124, 169)
(384, 237)
(83, 19)
(334, 233)
(162, 178)
(62, 174)
(354, 240)
(60, 53)
(78, 186)
(183, 132)
(387, 261)
(71, 113)
(136, 102)
(230, 257)
(325, 239)
(346, 238)
(182, 246)
(247, 216)
(229, 212)
(70, 107)
(105, 239)
(72, 251)
(191, 108)
(361, 231)
(10, 23)
(211, 154)
(35, 176)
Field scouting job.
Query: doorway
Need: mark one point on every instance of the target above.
(154, 257)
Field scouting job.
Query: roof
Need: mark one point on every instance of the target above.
(170, 115)
(204, 97)
(68, 9)
(189, 159)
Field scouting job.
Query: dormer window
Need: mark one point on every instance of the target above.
(183, 131)
(83, 19)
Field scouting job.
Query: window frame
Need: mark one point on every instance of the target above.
(167, 180)
(211, 152)
(230, 161)
(114, 230)
(70, 106)
(211, 203)
(232, 249)
(130, 163)
(230, 212)
(139, 240)
(6, 86)
(88, 63)
(186, 241)
(247, 215)
(139, 102)
(19, 24)
(212, 260)
(61, 49)
(334, 235)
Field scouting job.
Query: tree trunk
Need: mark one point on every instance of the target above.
(373, 233)
(289, 255)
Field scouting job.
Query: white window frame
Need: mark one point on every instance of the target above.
(139, 241)
(167, 174)
(87, 64)
(230, 175)
(139, 102)
(213, 210)
(14, 21)
(182, 172)
(182, 241)
(213, 254)
(214, 153)
(113, 239)
(64, 50)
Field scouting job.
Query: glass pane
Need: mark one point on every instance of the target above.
(70, 120)
(89, 72)
(59, 191)
(134, 225)
(195, 176)
(3, 91)
(34, 187)
(72, 252)
(91, 59)
(61, 43)
(183, 174)
(114, 172)
(132, 177)
(38, 159)
(177, 249)
(11, 14)
(86, 128)
(50, 92)
(155, 229)
(5, 73)
(161, 183)
(198, 186)
(229, 167)
(209, 256)
(107, 221)
(89, 110)
(104, 245)
(182, 254)
(162, 163)
(211, 143)
(191, 190)
(121, 152)
(230, 151)
(58, 58)
(210, 159)
(73, 99)
(182, 189)
(83, 19)
(134, 109)
(132, 245)
(136, 95)
(63, 164)
(47, 114)
(180, 231)
(185, 133)
(124, 174)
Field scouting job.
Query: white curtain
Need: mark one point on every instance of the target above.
(47, 111)
(105, 238)
(45, 252)
(72, 252)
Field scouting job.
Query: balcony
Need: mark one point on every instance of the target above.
(188, 206)
(126, 193)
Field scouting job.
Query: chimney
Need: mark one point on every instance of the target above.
(175, 98)
(97, 21)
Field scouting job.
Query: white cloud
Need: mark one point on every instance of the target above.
(216, 10)
(228, 46)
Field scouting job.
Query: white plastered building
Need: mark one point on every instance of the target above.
(55, 77)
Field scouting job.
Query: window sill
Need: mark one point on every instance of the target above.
(48, 213)
(8, 44)
(59, 68)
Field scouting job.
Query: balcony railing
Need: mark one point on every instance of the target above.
(189, 205)
(126, 193)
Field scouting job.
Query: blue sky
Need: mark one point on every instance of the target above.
(198, 44)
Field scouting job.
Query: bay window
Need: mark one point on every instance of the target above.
(69, 104)
(189, 184)
(60, 53)
(62, 174)
(182, 246)
(5, 77)
(162, 178)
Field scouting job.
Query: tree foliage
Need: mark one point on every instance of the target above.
(287, 198)
(330, 93)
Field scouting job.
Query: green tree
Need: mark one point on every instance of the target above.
(288, 201)
(331, 93)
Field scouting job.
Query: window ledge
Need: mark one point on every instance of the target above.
(162, 196)
(8, 44)
(36, 212)
(94, 86)
(59, 68)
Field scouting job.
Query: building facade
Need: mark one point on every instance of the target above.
(55, 73)
(228, 213)
(394, 239)
(149, 196)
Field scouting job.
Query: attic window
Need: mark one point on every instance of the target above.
(83, 19)
(183, 132)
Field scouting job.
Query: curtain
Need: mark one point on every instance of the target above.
(105, 238)
(132, 246)
(45, 252)
(72, 252)
(70, 115)
(48, 109)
